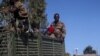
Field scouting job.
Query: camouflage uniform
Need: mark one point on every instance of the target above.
(59, 29)
(22, 15)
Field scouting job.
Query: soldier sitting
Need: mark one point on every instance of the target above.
(59, 27)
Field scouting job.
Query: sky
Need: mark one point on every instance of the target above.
(82, 21)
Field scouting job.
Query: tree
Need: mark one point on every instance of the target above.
(89, 50)
(94, 52)
(37, 9)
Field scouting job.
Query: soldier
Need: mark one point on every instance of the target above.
(20, 14)
(59, 27)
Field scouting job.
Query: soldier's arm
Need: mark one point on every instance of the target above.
(63, 30)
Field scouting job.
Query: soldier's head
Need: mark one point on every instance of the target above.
(56, 17)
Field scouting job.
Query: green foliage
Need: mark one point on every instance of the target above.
(38, 10)
(89, 50)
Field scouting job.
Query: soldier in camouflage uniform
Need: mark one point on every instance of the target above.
(20, 15)
(59, 27)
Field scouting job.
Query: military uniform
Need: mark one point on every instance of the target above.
(59, 29)
(21, 15)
